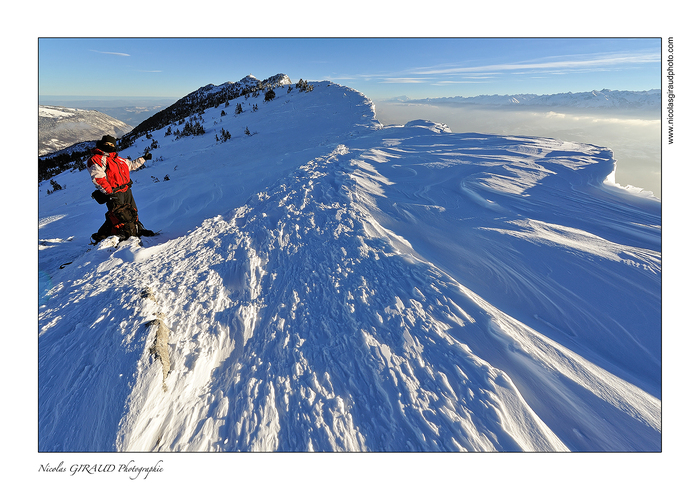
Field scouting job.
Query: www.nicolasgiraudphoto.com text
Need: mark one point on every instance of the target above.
(670, 74)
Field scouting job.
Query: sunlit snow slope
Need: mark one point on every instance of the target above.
(327, 284)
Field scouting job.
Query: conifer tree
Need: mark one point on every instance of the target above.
(225, 136)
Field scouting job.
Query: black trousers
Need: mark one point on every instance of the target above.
(117, 199)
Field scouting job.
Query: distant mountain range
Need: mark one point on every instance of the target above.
(61, 127)
(623, 99)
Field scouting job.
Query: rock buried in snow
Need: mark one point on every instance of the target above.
(147, 293)
(159, 349)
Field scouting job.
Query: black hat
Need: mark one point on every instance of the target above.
(107, 143)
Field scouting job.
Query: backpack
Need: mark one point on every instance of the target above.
(124, 220)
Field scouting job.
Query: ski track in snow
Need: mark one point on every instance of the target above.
(406, 289)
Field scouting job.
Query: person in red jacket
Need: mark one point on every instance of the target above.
(110, 174)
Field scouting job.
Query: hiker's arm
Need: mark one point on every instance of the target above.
(138, 163)
(98, 176)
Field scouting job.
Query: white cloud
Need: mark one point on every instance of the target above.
(447, 74)
(473, 80)
(567, 64)
(109, 52)
(405, 80)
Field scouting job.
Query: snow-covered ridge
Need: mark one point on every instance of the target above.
(329, 284)
(61, 127)
(57, 112)
(205, 98)
(249, 82)
(649, 99)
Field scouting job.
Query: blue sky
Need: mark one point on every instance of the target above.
(380, 68)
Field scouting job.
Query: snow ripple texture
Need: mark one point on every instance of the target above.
(317, 316)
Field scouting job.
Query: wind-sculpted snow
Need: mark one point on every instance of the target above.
(395, 289)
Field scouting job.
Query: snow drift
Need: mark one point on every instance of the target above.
(329, 284)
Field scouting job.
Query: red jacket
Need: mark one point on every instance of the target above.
(109, 171)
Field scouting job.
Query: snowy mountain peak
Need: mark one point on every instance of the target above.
(336, 285)
(248, 80)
